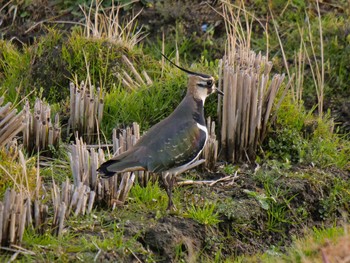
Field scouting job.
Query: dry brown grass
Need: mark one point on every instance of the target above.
(308, 54)
(250, 91)
(11, 122)
(106, 24)
(338, 252)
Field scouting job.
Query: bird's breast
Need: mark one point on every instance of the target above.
(203, 134)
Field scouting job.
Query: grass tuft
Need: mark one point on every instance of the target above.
(150, 196)
(106, 24)
(204, 214)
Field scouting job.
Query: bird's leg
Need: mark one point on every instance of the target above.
(170, 200)
(169, 180)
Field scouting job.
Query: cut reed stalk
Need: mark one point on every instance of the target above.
(11, 122)
(133, 70)
(210, 151)
(84, 164)
(249, 90)
(247, 104)
(16, 214)
(86, 105)
(39, 133)
(134, 79)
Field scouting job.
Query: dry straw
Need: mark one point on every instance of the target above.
(249, 90)
(40, 133)
(86, 110)
(106, 24)
(84, 163)
(21, 208)
(70, 200)
(247, 104)
(210, 151)
(18, 212)
(11, 122)
(134, 79)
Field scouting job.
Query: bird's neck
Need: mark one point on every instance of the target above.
(197, 95)
(190, 105)
(198, 113)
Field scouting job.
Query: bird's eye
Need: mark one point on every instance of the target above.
(209, 82)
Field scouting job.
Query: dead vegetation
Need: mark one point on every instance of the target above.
(40, 132)
(252, 209)
(11, 122)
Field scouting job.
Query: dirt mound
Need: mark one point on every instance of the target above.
(174, 238)
(257, 212)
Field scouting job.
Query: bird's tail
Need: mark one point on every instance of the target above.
(113, 166)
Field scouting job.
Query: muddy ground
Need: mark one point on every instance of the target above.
(246, 226)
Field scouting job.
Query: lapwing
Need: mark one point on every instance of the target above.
(175, 142)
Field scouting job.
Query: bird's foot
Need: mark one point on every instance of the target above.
(171, 206)
(171, 209)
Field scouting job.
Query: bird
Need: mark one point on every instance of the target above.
(175, 142)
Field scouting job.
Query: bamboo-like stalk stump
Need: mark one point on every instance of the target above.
(11, 122)
(84, 164)
(134, 80)
(210, 151)
(17, 212)
(86, 110)
(70, 200)
(247, 104)
(40, 133)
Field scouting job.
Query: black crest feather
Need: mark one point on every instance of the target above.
(186, 70)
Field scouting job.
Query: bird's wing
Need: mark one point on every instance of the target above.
(173, 144)
(166, 145)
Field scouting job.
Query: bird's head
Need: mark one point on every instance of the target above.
(200, 85)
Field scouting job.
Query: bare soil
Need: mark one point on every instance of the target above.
(245, 227)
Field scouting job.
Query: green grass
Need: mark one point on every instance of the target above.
(72, 246)
(147, 105)
(151, 197)
(229, 169)
(85, 239)
(205, 214)
(301, 138)
(14, 70)
(305, 249)
(301, 149)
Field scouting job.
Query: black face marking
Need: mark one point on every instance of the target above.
(205, 84)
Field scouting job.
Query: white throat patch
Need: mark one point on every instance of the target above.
(202, 94)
